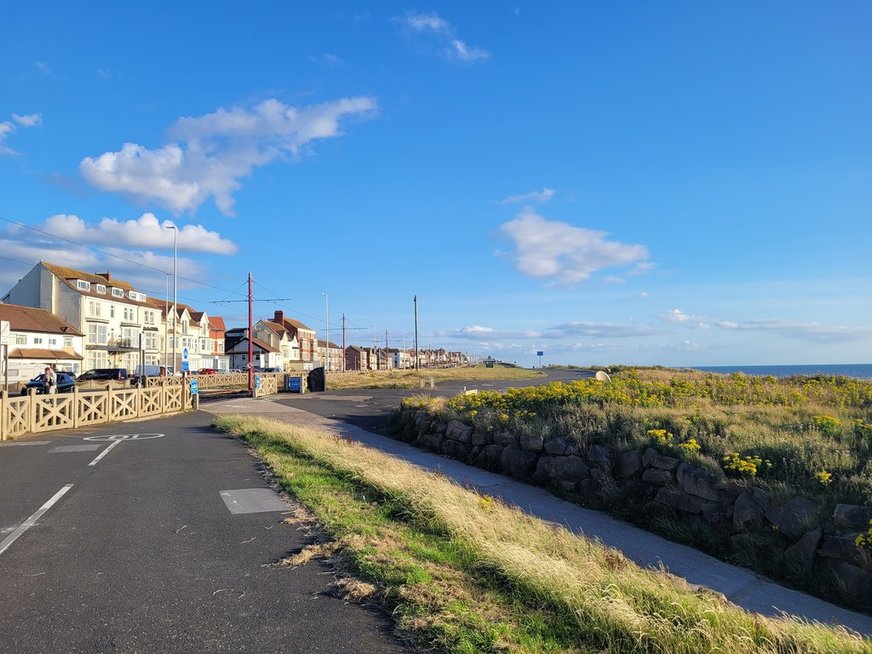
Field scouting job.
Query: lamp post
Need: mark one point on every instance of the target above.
(326, 330)
(175, 290)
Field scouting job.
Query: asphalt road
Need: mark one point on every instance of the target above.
(370, 409)
(143, 550)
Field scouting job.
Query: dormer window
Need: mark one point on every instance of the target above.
(101, 289)
(117, 292)
(82, 285)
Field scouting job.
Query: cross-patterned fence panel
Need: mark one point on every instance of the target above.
(150, 401)
(14, 416)
(92, 408)
(174, 398)
(52, 412)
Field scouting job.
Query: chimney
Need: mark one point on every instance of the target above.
(106, 276)
(280, 317)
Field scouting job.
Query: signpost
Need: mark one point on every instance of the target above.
(195, 387)
(540, 354)
(186, 365)
(4, 351)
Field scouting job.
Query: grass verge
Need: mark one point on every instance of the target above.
(465, 573)
(413, 378)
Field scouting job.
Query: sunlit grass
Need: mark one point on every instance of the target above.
(413, 378)
(467, 574)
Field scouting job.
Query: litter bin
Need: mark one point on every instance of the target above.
(317, 380)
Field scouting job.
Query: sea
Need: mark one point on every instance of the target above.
(860, 370)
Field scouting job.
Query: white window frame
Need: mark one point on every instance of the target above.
(82, 285)
(117, 292)
(101, 288)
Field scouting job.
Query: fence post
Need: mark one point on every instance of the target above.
(31, 409)
(75, 407)
(110, 403)
(4, 395)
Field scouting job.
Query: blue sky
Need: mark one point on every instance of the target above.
(653, 183)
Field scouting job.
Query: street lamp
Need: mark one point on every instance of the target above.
(326, 329)
(175, 290)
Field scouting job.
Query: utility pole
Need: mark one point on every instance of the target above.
(417, 356)
(166, 323)
(387, 352)
(343, 342)
(250, 336)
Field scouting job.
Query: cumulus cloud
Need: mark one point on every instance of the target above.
(8, 127)
(805, 331)
(146, 231)
(538, 197)
(480, 333)
(441, 34)
(209, 154)
(562, 253)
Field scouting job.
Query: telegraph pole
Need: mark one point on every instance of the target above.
(250, 336)
(343, 342)
(417, 356)
(387, 352)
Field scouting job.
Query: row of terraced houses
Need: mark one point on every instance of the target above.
(80, 321)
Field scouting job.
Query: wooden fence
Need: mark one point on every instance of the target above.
(114, 403)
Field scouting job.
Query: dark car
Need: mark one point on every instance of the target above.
(104, 374)
(65, 383)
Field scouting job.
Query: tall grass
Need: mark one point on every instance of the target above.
(609, 603)
(413, 378)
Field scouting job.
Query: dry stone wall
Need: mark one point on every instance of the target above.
(811, 540)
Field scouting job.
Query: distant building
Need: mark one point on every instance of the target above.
(356, 358)
(330, 355)
(264, 355)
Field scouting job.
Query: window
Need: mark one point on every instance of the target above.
(52, 341)
(129, 314)
(97, 335)
(94, 308)
(151, 341)
(37, 340)
(204, 344)
(117, 292)
(111, 310)
(21, 339)
(101, 288)
(68, 341)
(82, 285)
(148, 317)
(220, 347)
(129, 337)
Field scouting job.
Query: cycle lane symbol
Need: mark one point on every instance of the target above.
(122, 437)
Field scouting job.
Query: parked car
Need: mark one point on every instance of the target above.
(152, 371)
(104, 374)
(66, 382)
(207, 371)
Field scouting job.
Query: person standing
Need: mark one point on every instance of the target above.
(50, 381)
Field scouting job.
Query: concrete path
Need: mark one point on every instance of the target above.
(742, 587)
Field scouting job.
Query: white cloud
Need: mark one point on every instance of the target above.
(146, 232)
(327, 59)
(677, 315)
(480, 333)
(426, 22)
(597, 330)
(28, 120)
(442, 34)
(562, 253)
(211, 153)
(457, 49)
(805, 331)
(540, 197)
(8, 127)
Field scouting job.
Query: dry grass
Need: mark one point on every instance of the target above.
(604, 601)
(413, 379)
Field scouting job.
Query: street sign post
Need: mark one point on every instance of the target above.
(186, 365)
(195, 387)
(540, 354)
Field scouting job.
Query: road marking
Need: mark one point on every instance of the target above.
(253, 500)
(27, 524)
(103, 453)
(122, 437)
(16, 443)
(74, 448)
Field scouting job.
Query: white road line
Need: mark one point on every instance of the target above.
(27, 524)
(105, 452)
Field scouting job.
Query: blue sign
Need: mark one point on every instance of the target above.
(294, 384)
(195, 387)
(540, 353)
(186, 366)
(257, 381)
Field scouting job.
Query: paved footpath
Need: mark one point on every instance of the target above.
(163, 542)
(742, 587)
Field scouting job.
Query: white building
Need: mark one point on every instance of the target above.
(115, 319)
(37, 339)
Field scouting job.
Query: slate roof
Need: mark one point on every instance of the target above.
(31, 319)
(41, 353)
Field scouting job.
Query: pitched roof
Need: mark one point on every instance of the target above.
(217, 323)
(41, 353)
(274, 327)
(68, 275)
(30, 319)
(332, 344)
(296, 324)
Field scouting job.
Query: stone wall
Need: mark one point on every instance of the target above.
(810, 542)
